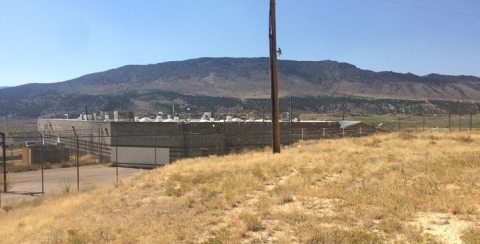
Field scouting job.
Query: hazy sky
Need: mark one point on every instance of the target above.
(56, 40)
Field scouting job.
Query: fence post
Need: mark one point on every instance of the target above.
(449, 121)
(225, 141)
(459, 116)
(155, 151)
(323, 133)
(423, 123)
(185, 148)
(291, 119)
(302, 134)
(90, 146)
(116, 157)
(78, 164)
(201, 145)
(110, 143)
(43, 161)
(343, 132)
(76, 159)
(471, 120)
(4, 163)
(99, 148)
(360, 130)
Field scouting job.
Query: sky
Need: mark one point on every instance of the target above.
(56, 40)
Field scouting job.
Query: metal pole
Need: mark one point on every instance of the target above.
(399, 124)
(460, 116)
(274, 78)
(104, 142)
(225, 148)
(155, 139)
(291, 119)
(471, 118)
(116, 157)
(43, 161)
(116, 152)
(449, 121)
(76, 159)
(4, 163)
(424, 122)
(99, 147)
(109, 143)
(78, 164)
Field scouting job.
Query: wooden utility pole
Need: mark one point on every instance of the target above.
(274, 78)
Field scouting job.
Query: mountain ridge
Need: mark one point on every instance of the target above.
(235, 78)
(211, 72)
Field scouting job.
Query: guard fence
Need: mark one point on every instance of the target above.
(32, 159)
(38, 163)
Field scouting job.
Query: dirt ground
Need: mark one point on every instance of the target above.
(27, 185)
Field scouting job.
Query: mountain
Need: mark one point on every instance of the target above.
(226, 84)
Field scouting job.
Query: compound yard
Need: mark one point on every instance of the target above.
(26, 186)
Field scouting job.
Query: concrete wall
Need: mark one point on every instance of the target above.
(185, 139)
(211, 138)
(140, 155)
(50, 153)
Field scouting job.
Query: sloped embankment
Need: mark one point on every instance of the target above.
(403, 187)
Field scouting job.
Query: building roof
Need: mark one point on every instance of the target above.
(346, 123)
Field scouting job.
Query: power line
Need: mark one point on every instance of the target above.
(415, 6)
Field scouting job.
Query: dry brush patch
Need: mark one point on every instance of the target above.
(383, 188)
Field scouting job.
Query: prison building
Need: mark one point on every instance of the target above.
(160, 143)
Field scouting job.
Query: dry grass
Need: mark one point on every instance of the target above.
(471, 235)
(88, 159)
(388, 188)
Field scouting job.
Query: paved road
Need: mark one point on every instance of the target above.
(27, 185)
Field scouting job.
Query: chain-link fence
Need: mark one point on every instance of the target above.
(417, 122)
(63, 161)
(35, 162)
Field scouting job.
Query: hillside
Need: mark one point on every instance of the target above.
(406, 188)
(156, 87)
